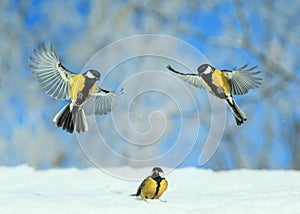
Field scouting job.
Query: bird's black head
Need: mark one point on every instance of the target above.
(92, 74)
(205, 69)
(157, 172)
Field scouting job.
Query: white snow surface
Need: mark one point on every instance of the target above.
(191, 190)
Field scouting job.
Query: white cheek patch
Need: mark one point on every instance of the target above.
(207, 70)
(90, 75)
(161, 174)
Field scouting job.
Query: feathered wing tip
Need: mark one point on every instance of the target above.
(70, 119)
(243, 79)
(237, 112)
(138, 192)
(172, 69)
(192, 79)
(51, 75)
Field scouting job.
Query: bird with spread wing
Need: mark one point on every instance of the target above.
(85, 96)
(224, 83)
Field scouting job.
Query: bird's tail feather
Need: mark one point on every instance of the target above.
(80, 121)
(70, 118)
(238, 114)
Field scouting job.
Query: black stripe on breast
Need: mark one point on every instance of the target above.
(214, 89)
(84, 93)
(158, 180)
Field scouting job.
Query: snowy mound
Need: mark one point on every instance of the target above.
(191, 190)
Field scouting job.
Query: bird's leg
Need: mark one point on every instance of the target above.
(162, 200)
(145, 199)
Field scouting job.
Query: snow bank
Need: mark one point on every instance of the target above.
(191, 190)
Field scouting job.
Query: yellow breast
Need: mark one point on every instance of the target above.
(77, 84)
(150, 189)
(162, 189)
(219, 80)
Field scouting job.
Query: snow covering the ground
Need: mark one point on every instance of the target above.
(191, 190)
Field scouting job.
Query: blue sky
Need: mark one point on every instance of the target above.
(74, 29)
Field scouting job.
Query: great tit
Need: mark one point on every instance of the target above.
(85, 96)
(224, 83)
(153, 186)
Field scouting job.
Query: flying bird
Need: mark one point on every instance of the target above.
(85, 97)
(153, 186)
(224, 83)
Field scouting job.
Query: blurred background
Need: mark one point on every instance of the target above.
(228, 32)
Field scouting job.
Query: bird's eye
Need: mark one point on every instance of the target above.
(59, 65)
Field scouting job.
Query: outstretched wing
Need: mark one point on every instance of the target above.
(52, 76)
(243, 79)
(193, 79)
(101, 101)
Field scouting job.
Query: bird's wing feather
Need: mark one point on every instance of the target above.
(139, 190)
(243, 79)
(52, 76)
(193, 79)
(101, 101)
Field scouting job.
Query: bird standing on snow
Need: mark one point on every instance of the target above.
(224, 83)
(153, 186)
(81, 89)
